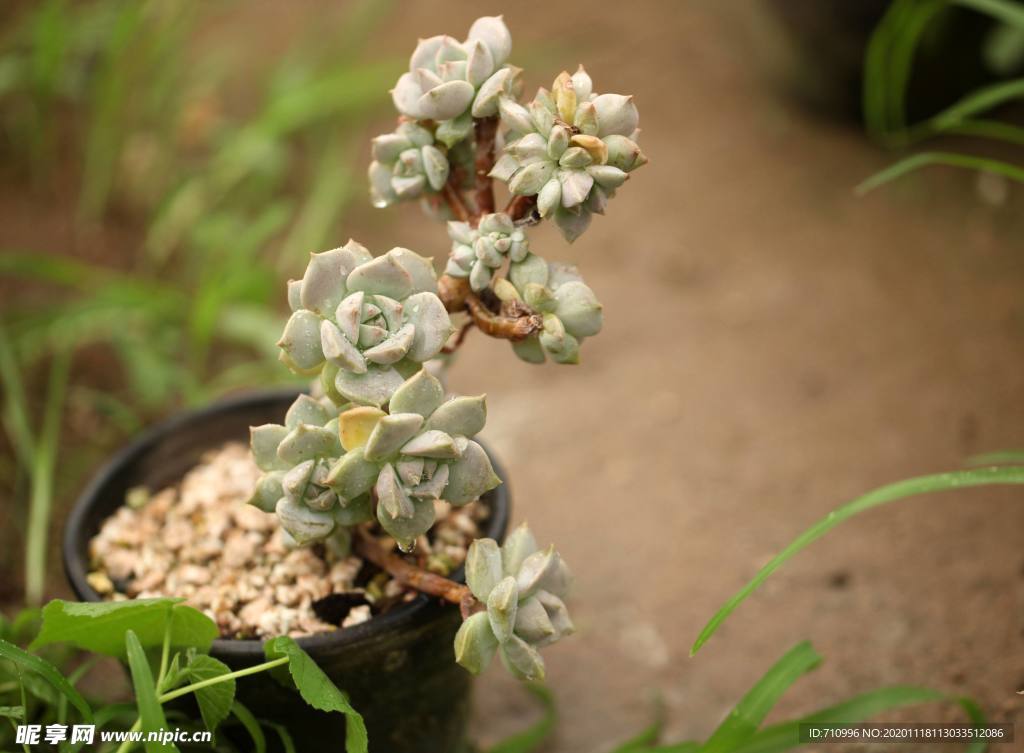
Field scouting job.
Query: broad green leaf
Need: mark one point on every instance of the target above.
(151, 713)
(101, 627)
(531, 738)
(252, 726)
(318, 691)
(48, 672)
(890, 493)
(746, 717)
(214, 700)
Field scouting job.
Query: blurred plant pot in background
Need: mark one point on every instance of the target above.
(828, 39)
(398, 668)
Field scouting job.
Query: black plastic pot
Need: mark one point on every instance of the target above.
(397, 668)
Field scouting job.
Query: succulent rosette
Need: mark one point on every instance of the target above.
(523, 589)
(570, 148)
(406, 164)
(420, 451)
(364, 323)
(478, 251)
(570, 310)
(296, 458)
(451, 82)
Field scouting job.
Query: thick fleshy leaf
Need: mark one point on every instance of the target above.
(410, 470)
(616, 114)
(532, 622)
(383, 275)
(301, 340)
(432, 444)
(406, 95)
(522, 659)
(519, 545)
(578, 309)
(264, 441)
(480, 276)
(530, 179)
(393, 348)
(306, 410)
(375, 387)
(434, 486)
(470, 476)
(479, 64)
(406, 530)
(449, 100)
(529, 350)
(338, 350)
(435, 167)
(463, 416)
(624, 153)
(535, 570)
(451, 132)
(294, 294)
(515, 116)
(483, 567)
(531, 269)
(323, 284)
(608, 177)
(575, 158)
(475, 644)
(304, 525)
(421, 393)
(502, 604)
(391, 497)
(352, 475)
(433, 327)
(549, 198)
(390, 433)
(572, 224)
(294, 481)
(576, 184)
(354, 512)
(485, 103)
(305, 442)
(492, 31)
(267, 491)
(322, 502)
(557, 613)
(356, 424)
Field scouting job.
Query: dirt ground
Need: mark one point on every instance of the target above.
(774, 346)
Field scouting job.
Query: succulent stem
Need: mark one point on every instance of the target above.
(486, 130)
(410, 575)
(521, 210)
(517, 327)
(455, 203)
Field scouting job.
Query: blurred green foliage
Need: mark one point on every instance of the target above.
(213, 169)
(888, 70)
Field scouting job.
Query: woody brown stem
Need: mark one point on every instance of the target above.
(521, 208)
(486, 130)
(454, 200)
(409, 575)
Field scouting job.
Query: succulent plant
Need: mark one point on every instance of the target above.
(523, 589)
(570, 310)
(420, 451)
(406, 164)
(364, 323)
(452, 82)
(296, 458)
(570, 148)
(478, 251)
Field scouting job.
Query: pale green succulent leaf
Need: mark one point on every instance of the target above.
(529, 350)
(392, 501)
(323, 284)
(461, 416)
(306, 410)
(483, 567)
(502, 605)
(352, 475)
(268, 491)
(300, 341)
(518, 545)
(475, 644)
(432, 444)
(305, 442)
(354, 512)
(532, 622)
(534, 571)
(374, 388)
(421, 393)
(390, 433)
(522, 659)
(303, 524)
(470, 476)
(384, 275)
(427, 314)
(264, 441)
(406, 530)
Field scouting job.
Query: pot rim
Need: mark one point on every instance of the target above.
(402, 616)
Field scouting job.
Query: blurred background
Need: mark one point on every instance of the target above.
(775, 343)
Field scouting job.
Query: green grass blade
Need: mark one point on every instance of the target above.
(889, 493)
(744, 720)
(26, 661)
(252, 726)
(786, 735)
(988, 129)
(151, 713)
(43, 470)
(930, 159)
(1000, 457)
(530, 739)
(16, 405)
(642, 741)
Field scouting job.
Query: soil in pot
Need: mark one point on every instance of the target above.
(200, 541)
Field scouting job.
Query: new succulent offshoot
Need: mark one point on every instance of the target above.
(378, 440)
